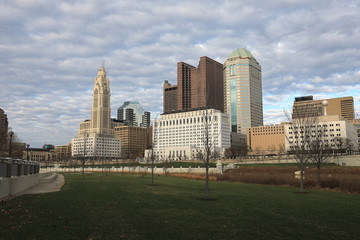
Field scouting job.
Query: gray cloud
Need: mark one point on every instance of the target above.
(50, 53)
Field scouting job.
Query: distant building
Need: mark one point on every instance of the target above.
(331, 126)
(63, 152)
(181, 135)
(356, 123)
(196, 87)
(134, 140)
(49, 146)
(96, 136)
(170, 97)
(306, 106)
(3, 133)
(268, 139)
(243, 91)
(3, 120)
(40, 154)
(133, 114)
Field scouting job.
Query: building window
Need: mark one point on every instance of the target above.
(232, 70)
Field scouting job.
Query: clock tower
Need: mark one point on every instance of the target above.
(100, 111)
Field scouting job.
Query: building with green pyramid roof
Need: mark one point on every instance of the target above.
(243, 91)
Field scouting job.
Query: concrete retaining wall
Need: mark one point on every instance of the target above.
(194, 170)
(348, 160)
(15, 185)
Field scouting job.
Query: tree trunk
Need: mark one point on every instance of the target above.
(207, 181)
(152, 172)
(83, 163)
(302, 178)
(318, 175)
(102, 166)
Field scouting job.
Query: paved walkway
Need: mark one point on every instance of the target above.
(43, 187)
(46, 187)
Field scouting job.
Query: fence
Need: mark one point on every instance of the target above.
(16, 167)
(146, 169)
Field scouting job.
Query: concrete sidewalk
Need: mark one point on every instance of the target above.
(50, 183)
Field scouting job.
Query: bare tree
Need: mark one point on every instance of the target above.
(343, 145)
(282, 152)
(4, 141)
(83, 157)
(271, 149)
(17, 148)
(257, 152)
(231, 153)
(166, 164)
(319, 148)
(152, 156)
(299, 138)
(207, 147)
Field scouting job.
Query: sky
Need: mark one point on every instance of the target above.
(51, 52)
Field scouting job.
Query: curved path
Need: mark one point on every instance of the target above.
(44, 186)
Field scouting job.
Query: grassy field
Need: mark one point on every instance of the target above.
(127, 207)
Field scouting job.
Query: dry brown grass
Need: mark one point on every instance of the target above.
(194, 176)
(345, 179)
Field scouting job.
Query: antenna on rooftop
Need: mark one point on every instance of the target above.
(103, 63)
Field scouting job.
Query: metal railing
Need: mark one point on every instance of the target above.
(10, 167)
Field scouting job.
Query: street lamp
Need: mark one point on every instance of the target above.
(27, 151)
(11, 134)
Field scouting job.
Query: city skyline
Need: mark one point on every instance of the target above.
(50, 54)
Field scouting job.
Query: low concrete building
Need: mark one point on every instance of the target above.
(356, 123)
(39, 154)
(95, 146)
(331, 127)
(268, 139)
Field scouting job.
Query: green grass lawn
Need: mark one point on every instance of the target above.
(127, 207)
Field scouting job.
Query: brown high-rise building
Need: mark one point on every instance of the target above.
(196, 87)
(185, 85)
(134, 140)
(306, 106)
(170, 97)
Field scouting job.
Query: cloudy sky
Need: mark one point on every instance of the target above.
(51, 52)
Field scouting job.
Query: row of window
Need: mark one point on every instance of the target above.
(313, 126)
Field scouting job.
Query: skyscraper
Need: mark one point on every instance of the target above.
(96, 136)
(133, 114)
(243, 91)
(100, 111)
(196, 87)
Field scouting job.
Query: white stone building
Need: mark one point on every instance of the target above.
(331, 127)
(96, 136)
(181, 135)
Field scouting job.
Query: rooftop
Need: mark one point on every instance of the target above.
(241, 52)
